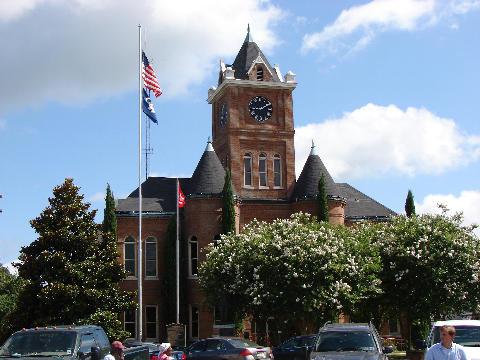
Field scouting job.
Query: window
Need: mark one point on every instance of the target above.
(262, 170)
(193, 256)
(216, 240)
(222, 314)
(151, 321)
(259, 73)
(86, 343)
(151, 257)
(247, 169)
(193, 322)
(129, 255)
(129, 322)
(277, 171)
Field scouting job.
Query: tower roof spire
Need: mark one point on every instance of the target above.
(248, 38)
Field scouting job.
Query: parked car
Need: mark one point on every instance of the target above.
(153, 349)
(349, 340)
(68, 342)
(467, 335)
(295, 348)
(231, 348)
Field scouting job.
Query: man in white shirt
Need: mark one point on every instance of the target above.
(446, 349)
(116, 351)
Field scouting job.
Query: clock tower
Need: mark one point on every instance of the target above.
(252, 125)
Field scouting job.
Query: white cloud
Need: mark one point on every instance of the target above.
(377, 140)
(357, 26)
(99, 196)
(9, 265)
(467, 202)
(76, 51)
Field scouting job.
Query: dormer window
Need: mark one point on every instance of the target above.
(259, 73)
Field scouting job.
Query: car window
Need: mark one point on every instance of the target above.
(345, 341)
(198, 346)
(307, 341)
(242, 343)
(465, 335)
(101, 338)
(40, 342)
(86, 343)
(214, 345)
(290, 343)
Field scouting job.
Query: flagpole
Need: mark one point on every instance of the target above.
(177, 251)
(139, 262)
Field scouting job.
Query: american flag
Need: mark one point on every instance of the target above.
(149, 78)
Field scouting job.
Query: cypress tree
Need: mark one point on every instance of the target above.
(322, 200)
(228, 209)
(70, 276)
(409, 204)
(109, 225)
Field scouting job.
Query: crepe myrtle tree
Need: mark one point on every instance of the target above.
(294, 269)
(431, 268)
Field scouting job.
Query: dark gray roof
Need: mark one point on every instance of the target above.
(158, 195)
(246, 56)
(307, 183)
(360, 205)
(209, 175)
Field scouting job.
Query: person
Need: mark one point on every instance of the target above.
(116, 351)
(446, 349)
(165, 350)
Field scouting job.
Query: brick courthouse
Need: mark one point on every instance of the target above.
(253, 135)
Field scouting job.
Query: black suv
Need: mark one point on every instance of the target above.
(88, 342)
(347, 341)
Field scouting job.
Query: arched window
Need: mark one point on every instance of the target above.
(259, 73)
(193, 256)
(277, 171)
(129, 256)
(262, 170)
(151, 257)
(247, 169)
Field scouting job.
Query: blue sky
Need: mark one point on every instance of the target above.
(387, 89)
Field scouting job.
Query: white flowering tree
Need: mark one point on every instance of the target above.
(431, 268)
(291, 269)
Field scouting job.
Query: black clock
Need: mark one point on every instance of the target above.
(223, 114)
(260, 108)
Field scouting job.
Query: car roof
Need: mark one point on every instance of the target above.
(345, 326)
(457, 323)
(74, 328)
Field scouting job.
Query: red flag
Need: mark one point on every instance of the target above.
(181, 197)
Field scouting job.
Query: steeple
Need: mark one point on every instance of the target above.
(248, 38)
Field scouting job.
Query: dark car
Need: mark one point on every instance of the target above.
(295, 348)
(86, 342)
(227, 348)
(349, 341)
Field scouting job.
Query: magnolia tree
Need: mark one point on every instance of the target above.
(291, 269)
(431, 268)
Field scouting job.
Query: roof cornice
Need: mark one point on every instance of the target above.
(215, 94)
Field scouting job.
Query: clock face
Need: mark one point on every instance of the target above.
(260, 108)
(223, 114)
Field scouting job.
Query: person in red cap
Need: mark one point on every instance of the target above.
(116, 351)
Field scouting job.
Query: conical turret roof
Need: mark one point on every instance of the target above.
(209, 175)
(307, 183)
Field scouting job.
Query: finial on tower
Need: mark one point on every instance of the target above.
(248, 38)
(313, 150)
(209, 145)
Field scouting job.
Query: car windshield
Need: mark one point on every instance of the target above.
(464, 335)
(242, 343)
(39, 343)
(345, 341)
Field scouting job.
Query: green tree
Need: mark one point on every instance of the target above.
(291, 269)
(228, 209)
(70, 275)
(10, 286)
(109, 224)
(322, 200)
(430, 268)
(409, 204)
